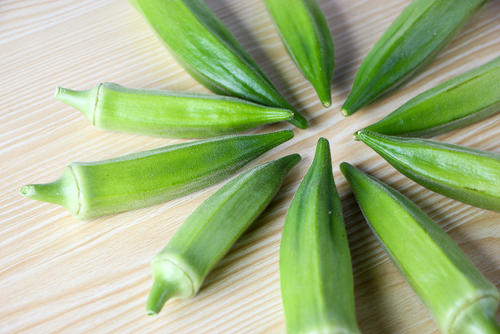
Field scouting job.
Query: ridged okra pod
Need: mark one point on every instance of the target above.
(459, 297)
(315, 264)
(93, 189)
(409, 44)
(169, 114)
(467, 98)
(208, 51)
(464, 174)
(306, 36)
(210, 231)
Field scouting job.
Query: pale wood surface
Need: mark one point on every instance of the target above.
(62, 275)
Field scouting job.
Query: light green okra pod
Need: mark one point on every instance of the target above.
(210, 231)
(315, 264)
(459, 297)
(408, 45)
(306, 36)
(461, 173)
(467, 98)
(93, 189)
(208, 51)
(170, 114)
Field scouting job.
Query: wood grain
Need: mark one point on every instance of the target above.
(66, 276)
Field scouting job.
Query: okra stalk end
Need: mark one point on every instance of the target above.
(170, 281)
(63, 191)
(478, 318)
(83, 100)
(161, 291)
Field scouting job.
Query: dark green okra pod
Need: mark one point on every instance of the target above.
(459, 297)
(208, 51)
(410, 43)
(209, 232)
(315, 264)
(306, 36)
(464, 174)
(170, 114)
(467, 98)
(93, 189)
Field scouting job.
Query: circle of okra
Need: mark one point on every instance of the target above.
(314, 235)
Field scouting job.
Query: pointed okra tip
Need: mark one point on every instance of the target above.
(358, 134)
(325, 98)
(82, 100)
(286, 115)
(291, 160)
(347, 169)
(350, 106)
(298, 120)
(322, 147)
(344, 166)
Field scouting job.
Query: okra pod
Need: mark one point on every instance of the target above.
(208, 51)
(210, 231)
(467, 98)
(459, 297)
(170, 114)
(306, 36)
(409, 44)
(461, 173)
(92, 189)
(315, 264)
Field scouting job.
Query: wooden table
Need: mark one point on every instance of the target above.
(58, 274)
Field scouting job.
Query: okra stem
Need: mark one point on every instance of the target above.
(161, 291)
(83, 100)
(49, 192)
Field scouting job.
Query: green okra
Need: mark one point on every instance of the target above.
(306, 36)
(409, 44)
(461, 173)
(93, 189)
(171, 114)
(315, 264)
(208, 51)
(210, 231)
(467, 98)
(459, 297)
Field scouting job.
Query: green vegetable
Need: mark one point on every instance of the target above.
(467, 175)
(467, 98)
(93, 189)
(410, 43)
(315, 264)
(170, 114)
(208, 233)
(209, 52)
(460, 298)
(306, 36)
